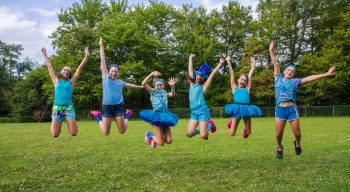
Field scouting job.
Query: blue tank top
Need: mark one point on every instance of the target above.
(112, 91)
(286, 89)
(63, 92)
(241, 95)
(197, 102)
(159, 100)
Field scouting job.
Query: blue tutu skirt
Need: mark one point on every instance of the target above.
(242, 110)
(166, 119)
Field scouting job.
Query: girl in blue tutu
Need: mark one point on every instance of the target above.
(200, 115)
(241, 108)
(160, 118)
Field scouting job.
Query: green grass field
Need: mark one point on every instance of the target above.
(31, 160)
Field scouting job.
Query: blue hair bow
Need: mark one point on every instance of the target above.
(202, 71)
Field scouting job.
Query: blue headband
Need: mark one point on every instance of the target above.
(158, 80)
(114, 65)
(202, 71)
(290, 66)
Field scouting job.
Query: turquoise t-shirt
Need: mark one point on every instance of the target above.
(241, 95)
(196, 95)
(63, 92)
(159, 100)
(286, 89)
(112, 91)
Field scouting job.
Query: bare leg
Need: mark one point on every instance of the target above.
(279, 124)
(56, 128)
(234, 126)
(167, 133)
(191, 127)
(203, 126)
(105, 125)
(122, 123)
(248, 125)
(72, 127)
(159, 135)
(296, 130)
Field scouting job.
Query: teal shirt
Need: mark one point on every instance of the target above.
(112, 91)
(63, 92)
(159, 100)
(197, 102)
(241, 95)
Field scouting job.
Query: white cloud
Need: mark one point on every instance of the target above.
(12, 20)
(211, 4)
(44, 12)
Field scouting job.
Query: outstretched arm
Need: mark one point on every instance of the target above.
(190, 66)
(133, 86)
(49, 66)
(144, 82)
(232, 74)
(81, 66)
(212, 74)
(250, 74)
(172, 81)
(276, 68)
(103, 59)
(315, 77)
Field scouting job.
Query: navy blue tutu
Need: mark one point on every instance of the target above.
(242, 110)
(166, 119)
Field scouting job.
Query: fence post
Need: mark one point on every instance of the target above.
(333, 110)
(305, 111)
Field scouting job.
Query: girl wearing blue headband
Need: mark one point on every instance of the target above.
(242, 107)
(113, 100)
(285, 92)
(160, 118)
(199, 84)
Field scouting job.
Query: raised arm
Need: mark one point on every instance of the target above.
(49, 66)
(103, 59)
(250, 74)
(232, 74)
(276, 68)
(319, 76)
(212, 74)
(144, 82)
(130, 85)
(172, 81)
(81, 66)
(190, 66)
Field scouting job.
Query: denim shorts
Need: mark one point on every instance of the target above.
(112, 110)
(289, 113)
(201, 116)
(63, 112)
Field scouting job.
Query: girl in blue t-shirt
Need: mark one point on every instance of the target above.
(63, 108)
(285, 92)
(199, 84)
(113, 100)
(160, 118)
(241, 108)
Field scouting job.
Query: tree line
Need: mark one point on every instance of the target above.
(313, 34)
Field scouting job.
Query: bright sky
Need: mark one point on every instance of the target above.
(30, 22)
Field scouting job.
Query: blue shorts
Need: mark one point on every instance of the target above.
(112, 110)
(202, 116)
(63, 112)
(289, 113)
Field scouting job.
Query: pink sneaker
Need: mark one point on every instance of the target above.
(95, 113)
(213, 128)
(147, 140)
(229, 124)
(153, 143)
(128, 112)
(245, 134)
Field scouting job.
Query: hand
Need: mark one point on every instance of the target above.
(43, 50)
(331, 71)
(252, 61)
(192, 55)
(222, 61)
(172, 81)
(228, 59)
(86, 51)
(272, 46)
(156, 73)
(101, 41)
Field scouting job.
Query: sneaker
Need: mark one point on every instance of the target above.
(229, 124)
(213, 126)
(95, 113)
(153, 143)
(280, 153)
(147, 140)
(245, 134)
(297, 149)
(128, 112)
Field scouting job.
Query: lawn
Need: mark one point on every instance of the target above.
(31, 160)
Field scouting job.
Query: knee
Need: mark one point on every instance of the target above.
(105, 133)
(190, 134)
(168, 141)
(74, 134)
(233, 133)
(204, 136)
(55, 135)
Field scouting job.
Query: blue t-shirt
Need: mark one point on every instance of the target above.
(197, 102)
(159, 100)
(112, 91)
(63, 92)
(241, 95)
(286, 89)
